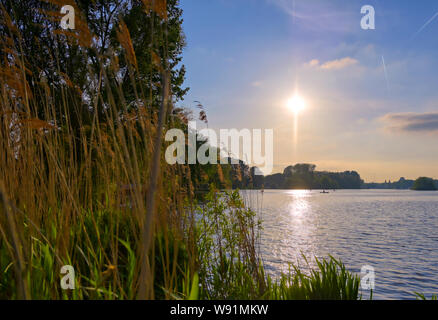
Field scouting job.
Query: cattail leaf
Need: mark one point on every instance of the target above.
(194, 293)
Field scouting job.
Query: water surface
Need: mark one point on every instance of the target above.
(395, 232)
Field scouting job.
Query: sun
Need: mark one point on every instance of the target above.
(296, 103)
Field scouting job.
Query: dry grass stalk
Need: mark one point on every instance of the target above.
(147, 229)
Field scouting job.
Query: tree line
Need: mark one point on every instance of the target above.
(304, 176)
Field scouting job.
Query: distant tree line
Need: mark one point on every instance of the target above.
(298, 176)
(402, 183)
(425, 184)
(421, 183)
(304, 176)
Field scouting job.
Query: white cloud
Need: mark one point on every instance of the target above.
(339, 64)
(334, 64)
(313, 63)
(321, 15)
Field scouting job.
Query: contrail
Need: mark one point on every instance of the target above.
(386, 74)
(425, 25)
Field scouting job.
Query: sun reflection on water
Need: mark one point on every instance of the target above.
(293, 225)
(301, 227)
(299, 206)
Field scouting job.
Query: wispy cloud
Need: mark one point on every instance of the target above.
(319, 15)
(313, 63)
(339, 64)
(412, 122)
(334, 64)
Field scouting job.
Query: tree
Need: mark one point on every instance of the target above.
(326, 183)
(424, 184)
(69, 63)
(304, 176)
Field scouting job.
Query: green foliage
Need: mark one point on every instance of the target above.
(421, 296)
(330, 281)
(96, 276)
(227, 235)
(73, 68)
(424, 184)
(171, 262)
(194, 292)
(401, 184)
(304, 176)
(145, 30)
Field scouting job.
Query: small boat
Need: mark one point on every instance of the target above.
(324, 191)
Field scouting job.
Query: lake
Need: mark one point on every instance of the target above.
(394, 231)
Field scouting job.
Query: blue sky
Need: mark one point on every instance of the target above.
(245, 58)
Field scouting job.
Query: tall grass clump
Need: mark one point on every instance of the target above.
(328, 281)
(227, 238)
(82, 174)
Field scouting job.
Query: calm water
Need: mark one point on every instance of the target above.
(396, 232)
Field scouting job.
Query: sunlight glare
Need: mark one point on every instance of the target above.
(296, 104)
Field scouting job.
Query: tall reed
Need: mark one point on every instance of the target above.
(82, 190)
